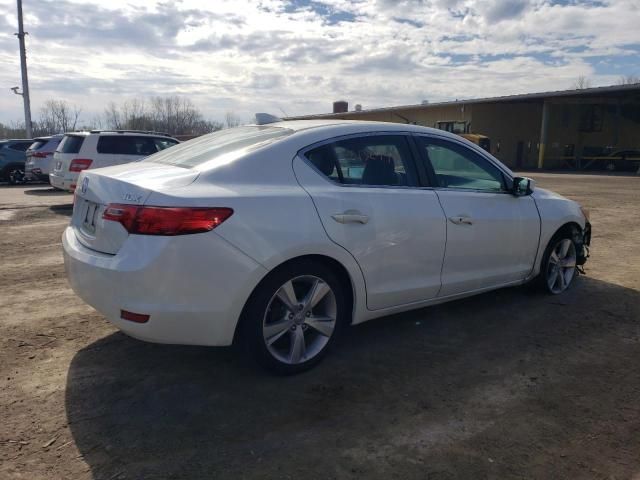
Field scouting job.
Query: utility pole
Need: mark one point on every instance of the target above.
(25, 79)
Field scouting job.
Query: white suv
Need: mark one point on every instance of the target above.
(80, 151)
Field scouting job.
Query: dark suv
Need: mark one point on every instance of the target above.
(12, 160)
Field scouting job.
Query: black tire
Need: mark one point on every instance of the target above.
(16, 176)
(255, 311)
(541, 282)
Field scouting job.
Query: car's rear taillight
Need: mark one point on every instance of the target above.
(79, 164)
(41, 154)
(166, 220)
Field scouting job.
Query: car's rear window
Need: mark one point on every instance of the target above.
(215, 145)
(70, 144)
(37, 144)
(126, 145)
(52, 145)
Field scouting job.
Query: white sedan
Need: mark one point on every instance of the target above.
(280, 235)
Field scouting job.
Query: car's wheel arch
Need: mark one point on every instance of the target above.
(347, 279)
(570, 227)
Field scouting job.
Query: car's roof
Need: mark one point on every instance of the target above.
(17, 140)
(137, 133)
(77, 134)
(356, 126)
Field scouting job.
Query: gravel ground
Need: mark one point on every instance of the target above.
(509, 384)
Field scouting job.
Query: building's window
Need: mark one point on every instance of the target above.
(382, 160)
(591, 118)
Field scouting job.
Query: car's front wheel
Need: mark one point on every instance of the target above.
(559, 264)
(294, 317)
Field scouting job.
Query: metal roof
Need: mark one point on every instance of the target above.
(584, 92)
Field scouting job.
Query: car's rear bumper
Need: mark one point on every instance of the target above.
(36, 174)
(193, 287)
(62, 182)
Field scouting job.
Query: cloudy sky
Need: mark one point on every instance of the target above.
(297, 56)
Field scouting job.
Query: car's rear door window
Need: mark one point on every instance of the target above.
(126, 145)
(372, 160)
(70, 144)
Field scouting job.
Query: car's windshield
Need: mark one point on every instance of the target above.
(218, 146)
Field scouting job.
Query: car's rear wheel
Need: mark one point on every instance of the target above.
(559, 264)
(294, 317)
(16, 176)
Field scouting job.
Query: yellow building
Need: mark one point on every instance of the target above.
(587, 128)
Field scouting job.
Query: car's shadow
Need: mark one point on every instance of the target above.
(41, 191)
(439, 389)
(64, 209)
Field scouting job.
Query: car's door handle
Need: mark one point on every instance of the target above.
(461, 220)
(350, 216)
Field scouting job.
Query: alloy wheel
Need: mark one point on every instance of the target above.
(300, 319)
(561, 267)
(16, 176)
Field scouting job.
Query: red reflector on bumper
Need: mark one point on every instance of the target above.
(134, 317)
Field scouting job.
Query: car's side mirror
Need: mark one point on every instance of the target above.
(523, 186)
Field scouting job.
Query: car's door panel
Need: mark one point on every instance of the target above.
(396, 234)
(492, 239)
(492, 236)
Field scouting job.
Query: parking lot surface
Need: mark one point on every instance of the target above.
(509, 384)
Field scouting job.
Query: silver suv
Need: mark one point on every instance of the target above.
(80, 151)
(40, 158)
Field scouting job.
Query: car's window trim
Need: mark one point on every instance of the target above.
(412, 160)
(507, 178)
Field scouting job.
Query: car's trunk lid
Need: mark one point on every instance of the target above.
(125, 184)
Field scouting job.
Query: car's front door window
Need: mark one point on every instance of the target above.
(456, 166)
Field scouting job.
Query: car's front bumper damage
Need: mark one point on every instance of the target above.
(583, 241)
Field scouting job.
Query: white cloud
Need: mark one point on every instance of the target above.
(300, 55)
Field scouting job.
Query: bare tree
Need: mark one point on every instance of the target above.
(58, 116)
(231, 120)
(581, 83)
(628, 80)
(14, 130)
(174, 115)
